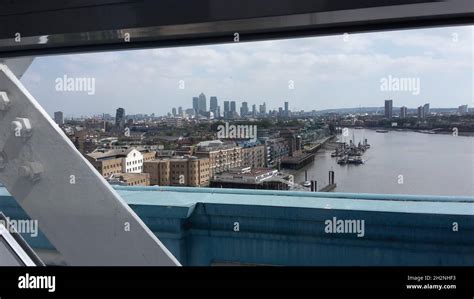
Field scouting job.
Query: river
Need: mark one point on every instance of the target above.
(401, 162)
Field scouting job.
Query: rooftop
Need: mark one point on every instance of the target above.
(189, 196)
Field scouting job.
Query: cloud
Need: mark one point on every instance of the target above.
(256, 71)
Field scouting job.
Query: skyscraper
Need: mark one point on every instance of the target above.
(233, 107)
(426, 109)
(180, 111)
(388, 108)
(287, 112)
(244, 110)
(202, 103)
(226, 109)
(196, 103)
(213, 105)
(403, 112)
(421, 112)
(173, 111)
(254, 110)
(59, 118)
(263, 108)
(120, 118)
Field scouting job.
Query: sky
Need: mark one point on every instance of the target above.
(338, 71)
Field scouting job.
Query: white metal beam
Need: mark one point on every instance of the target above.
(77, 210)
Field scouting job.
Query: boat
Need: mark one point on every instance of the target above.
(307, 184)
(427, 132)
(342, 160)
(381, 131)
(355, 160)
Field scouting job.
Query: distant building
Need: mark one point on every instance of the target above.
(226, 109)
(420, 112)
(196, 103)
(388, 109)
(177, 122)
(403, 112)
(213, 105)
(244, 110)
(287, 111)
(180, 111)
(59, 118)
(190, 112)
(178, 171)
(463, 109)
(233, 109)
(254, 110)
(173, 111)
(263, 109)
(426, 110)
(120, 118)
(202, 107)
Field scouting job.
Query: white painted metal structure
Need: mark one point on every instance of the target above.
(77, 210)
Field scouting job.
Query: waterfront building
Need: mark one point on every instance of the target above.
(403, 112)
(178, 171)
(420, 112)
(222, 156)
(248, 178)
(426, 110)
(275, 149)
(253, 154)
(388, 109)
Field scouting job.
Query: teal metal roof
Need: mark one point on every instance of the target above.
(188, 197)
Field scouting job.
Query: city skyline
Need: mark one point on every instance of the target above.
(325, 73)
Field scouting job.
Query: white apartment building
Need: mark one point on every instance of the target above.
(133, 162)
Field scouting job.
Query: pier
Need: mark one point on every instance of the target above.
(298, 160)
(316, 146)
(329, 187)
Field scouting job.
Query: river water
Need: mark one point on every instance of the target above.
(400, 162)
